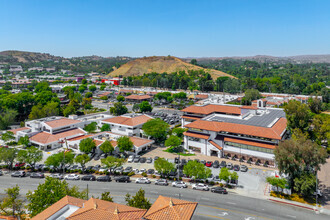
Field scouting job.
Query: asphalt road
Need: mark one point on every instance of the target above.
(210, 205)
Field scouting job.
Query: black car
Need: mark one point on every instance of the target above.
(184, 161)
(244, 168)
(151, 171)
(89, 168)
(143, 160)
(88, 178)
(97, 156)
(37, 175)
(223, 164)
(103, 179)
(128, 170)
(203, 162)
(136, 159)
(122, 179)
(155, 158)
(236, 167)
(176, 160)
(216, 164)
(219, 189)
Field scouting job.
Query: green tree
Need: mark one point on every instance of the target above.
(277, 182)
(179, 132)
(224, 174)
(51, 109)
(120, 98)
(293, 157)
(136, 107)
(7, 86)
(250, 95)
(298, 115)
(156, 128)
(163, 166)
(69, 110)
(107, 147)
(37, 112)
(102, 87)
(24, 141)
(193, 61)
(305, 184)
(169, 99)
(112, 162)
(7, 117)
(42, 87)
(87, 145)
(11, 204)
(7, 136)
(124, 144)
(82, 159)
(8, 156)
(197, 170)
(92, 88)
(315, 105)
(60, 159)
(90, 128)
(82, 88)
(118, 109)
(234, 176)
(321, 129)
(84, 81)
(138, 201)
(48, 193)
(145, 107)
(31, 155)
(173, 141)
(106, 197)
(88, 95)
(105, 127)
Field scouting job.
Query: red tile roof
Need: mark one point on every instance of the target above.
(80, 137)
(97, 209)
(191, 117)
(210, 108)
(249, 107)
(141, 119)
(201, 96)
(171, 209)
(215, 145)
(196, 135)
(61, 122)
(104, 94)
(251, 143)
(272, 133)
(138, 97)
(51, 210)
(98, 142)
(138, 142)
(46, 138)
(19, 129)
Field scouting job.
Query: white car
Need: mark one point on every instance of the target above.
(179, 184)
(136, 171)
(72, 177)
(130, 159)
(200, 186)
(103, 169)
(142, 171)
(56, 176)
(143, 180)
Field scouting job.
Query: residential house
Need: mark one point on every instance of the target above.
(138, 98)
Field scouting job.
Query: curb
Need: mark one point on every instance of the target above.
(288, 203)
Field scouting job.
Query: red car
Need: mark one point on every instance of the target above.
(19, 164)
(208, 163)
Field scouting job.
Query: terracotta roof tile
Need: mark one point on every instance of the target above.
(51, 210)
(201, 96)
(272, 133)
(196, 135)
(96, 209)
(138, 142)
(138, 97)
(45, 137)
(98, 142)
(61, 122)
(19, 129)
(215, 145)
(251, 143)
(210, 108)
(171, 209)
(141, 119)
(190, 117)
(80, 137)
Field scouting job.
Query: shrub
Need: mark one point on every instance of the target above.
(153, 176)
(131, 174)
(97, 172)
(221, 185)
(211, 183)
(144, 174)
(11, 143)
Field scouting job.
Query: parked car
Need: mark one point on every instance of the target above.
(155, 158)
(179, 184)
(128, 170)
(18, 174)
(37, 175)
(229, 166)
(103, 178)
(142, 171)
(88, 178)
(130, 159)
(244, 168)
(203, 162)
(149, 160)
(72, 177)
(219, 189)
(162, 182)
(176, 160)
(208, 163)
(56, 176)
(136, 171)
(151, 171)
(1, 173)
(122, 179)
(19, 164)
(223, 164)
(236, 167)
(119, 169)
(318, 193)
(184, 161)
(216, 164)
(143, 180)
(89, 168)
(143, 160)
(137, 158)
(200, 186)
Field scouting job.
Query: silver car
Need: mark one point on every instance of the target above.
(179, 184)
(200, 186)
(72, 177)
(143, 180)
(56, 176)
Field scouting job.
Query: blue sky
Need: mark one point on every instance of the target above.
(183, 28)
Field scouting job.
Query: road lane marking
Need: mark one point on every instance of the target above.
(232, 203)
(211, 216)
(205, 198)
(291, 216)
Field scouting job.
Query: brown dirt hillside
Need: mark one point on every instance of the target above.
(160, 64)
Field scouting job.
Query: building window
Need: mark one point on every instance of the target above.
(249, 147)
(194, 139)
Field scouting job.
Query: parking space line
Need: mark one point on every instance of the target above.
(211, 216)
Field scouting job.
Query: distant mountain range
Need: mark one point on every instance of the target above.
(13, 56)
